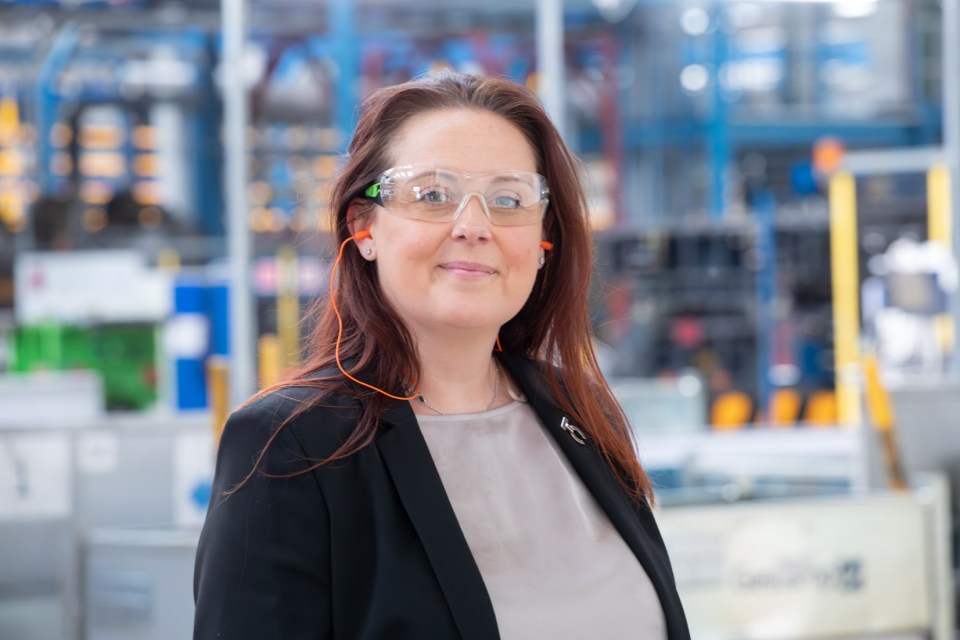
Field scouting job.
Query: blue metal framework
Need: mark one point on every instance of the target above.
(719, 151)
(47, 99)
(766, 292)
(343, 16)
(202, 109)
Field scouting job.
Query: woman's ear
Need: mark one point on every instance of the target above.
(358, 217)
(545, 232)
(359, 222)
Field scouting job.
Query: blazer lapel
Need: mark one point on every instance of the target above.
(600, 481)
(421, 491)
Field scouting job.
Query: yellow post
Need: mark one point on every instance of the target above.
(938, 204)
(269, 352)
(218, 391)
(12, 202)
(939, 229)
(846, 296)
(288, 308)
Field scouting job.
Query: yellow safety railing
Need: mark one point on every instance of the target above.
(218, 393)
(845, 277)
(846, 296)
(939, 230)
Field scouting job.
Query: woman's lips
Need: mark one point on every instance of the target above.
(468, 269)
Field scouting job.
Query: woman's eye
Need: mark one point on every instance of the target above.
(433, 196)
(505, 202)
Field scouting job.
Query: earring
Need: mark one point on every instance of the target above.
(542, 261)
(368, 252)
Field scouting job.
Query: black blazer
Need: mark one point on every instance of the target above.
(369, 547)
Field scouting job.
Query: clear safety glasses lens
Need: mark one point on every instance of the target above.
(440, 195)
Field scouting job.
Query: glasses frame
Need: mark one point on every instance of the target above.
(374, 193)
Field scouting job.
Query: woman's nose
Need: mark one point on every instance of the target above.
(472, 221)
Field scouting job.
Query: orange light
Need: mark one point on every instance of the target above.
(828, 155)
(144, 137)
(146, 165)
(95, 192)
(100, 136)
(147, 193)
(260, 219)
(259, 193)
(103, 164)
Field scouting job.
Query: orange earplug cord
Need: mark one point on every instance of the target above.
(333, 301)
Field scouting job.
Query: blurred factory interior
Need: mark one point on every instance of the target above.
(776, 302)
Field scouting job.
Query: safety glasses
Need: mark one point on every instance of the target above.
(432, 194)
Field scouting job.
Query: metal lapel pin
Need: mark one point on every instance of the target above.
(575, 432)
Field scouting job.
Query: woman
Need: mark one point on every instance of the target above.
(426, 474)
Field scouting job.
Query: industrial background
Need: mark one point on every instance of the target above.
(775, 302)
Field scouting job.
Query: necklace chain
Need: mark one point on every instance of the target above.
(496, 391)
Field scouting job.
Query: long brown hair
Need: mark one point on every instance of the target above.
(552, 326)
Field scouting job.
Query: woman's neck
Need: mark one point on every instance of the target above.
(458, 377)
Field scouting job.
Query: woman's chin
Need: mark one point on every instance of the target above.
(470, 319)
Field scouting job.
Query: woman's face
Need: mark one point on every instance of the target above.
(467, 274)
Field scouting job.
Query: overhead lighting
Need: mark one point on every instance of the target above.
(841, 8)
(695, 21)
(694, 78)
(614, 10)
(855, 8)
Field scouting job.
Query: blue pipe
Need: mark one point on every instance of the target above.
(766, 283)
(47, 98)
(718, 134)
(346, 45)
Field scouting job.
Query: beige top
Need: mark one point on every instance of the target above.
(552, 562)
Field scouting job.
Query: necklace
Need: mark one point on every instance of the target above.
(496, 390)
